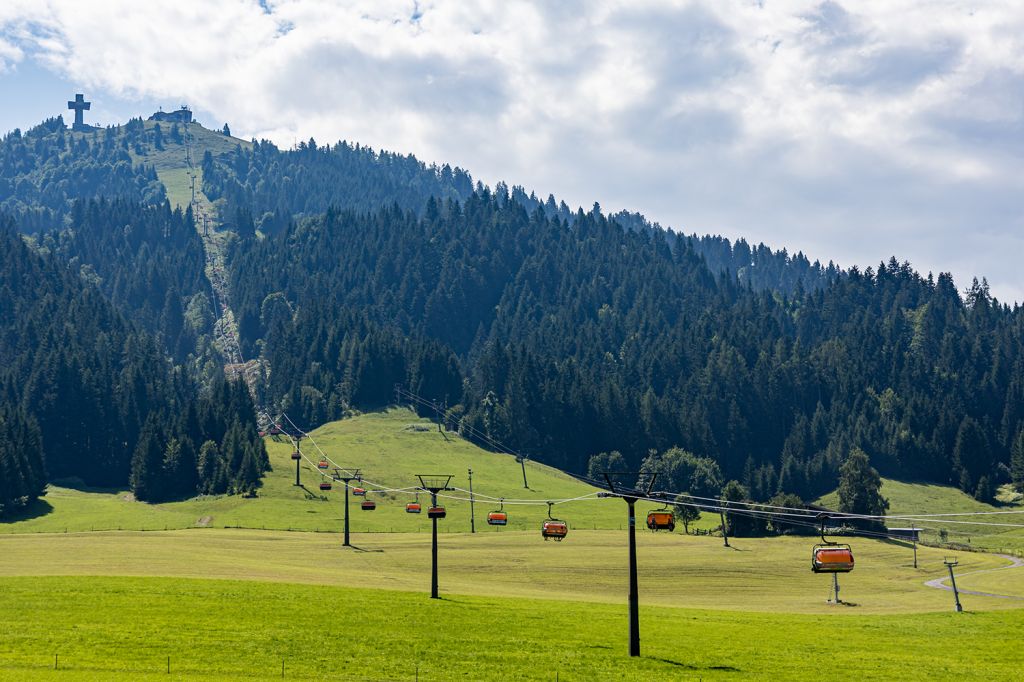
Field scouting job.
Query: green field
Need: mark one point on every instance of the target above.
(675, 570)
(390, 448)
(127, 628)
(225, 599)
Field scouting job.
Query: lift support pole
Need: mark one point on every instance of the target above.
(472, 511)
(433, 484)
(346, 478)
(298, 438)
(950, 563)
(631, 496)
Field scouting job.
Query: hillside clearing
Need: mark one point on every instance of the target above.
(388, 453)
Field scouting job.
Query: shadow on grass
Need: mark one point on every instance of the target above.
(363, 549)
(688, 666)
(36, 509)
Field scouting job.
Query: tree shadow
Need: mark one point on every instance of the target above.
(37, 508)
(79, 485)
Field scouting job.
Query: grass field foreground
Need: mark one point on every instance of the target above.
(118, 628)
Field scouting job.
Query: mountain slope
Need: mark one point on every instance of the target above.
(389, 447)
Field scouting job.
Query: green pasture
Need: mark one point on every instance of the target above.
(1008, 581)
(767, 575)
(127, 628)
(227, 592)
(390, 448)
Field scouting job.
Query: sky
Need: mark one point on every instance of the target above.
(850, 130)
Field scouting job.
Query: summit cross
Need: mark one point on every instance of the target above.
(79, 105)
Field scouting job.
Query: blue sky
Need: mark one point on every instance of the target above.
(850, 130)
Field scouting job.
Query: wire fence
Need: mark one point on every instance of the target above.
(191, 667)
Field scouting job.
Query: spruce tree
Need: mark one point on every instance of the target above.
(146, 479)
(860, 488)
(1017, 460)
(208, 466)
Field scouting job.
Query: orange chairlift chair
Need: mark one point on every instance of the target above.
(831, 557)
(552, 528)
(661, 519)
(498, 517)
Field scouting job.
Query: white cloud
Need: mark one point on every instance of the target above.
(850, 130)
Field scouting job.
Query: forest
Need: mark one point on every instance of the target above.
(43, 172)
(577, 339)
(89, 398)
(561, 333)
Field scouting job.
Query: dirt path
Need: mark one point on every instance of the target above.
(940, 583)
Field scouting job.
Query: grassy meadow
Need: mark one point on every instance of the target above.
(765, 575)
(229, 587)
(126, 628)
(389, 447)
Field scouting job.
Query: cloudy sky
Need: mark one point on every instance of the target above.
(851, 130)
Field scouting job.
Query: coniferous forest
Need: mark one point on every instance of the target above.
(573, 340)
(563, 334)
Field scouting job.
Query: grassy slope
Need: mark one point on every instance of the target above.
(916, 498)
(170, 162)
(223, 629)
(388, 452)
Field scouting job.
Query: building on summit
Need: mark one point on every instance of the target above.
(183, 115)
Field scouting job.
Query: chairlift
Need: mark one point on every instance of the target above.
(831, 557)
(369, 505)
(296, 455)
(414, 507)
(437, 512)
(359, 492)
(661, 519)
(326, 485)
(498, 517)
(322, 464)
(552, 528)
